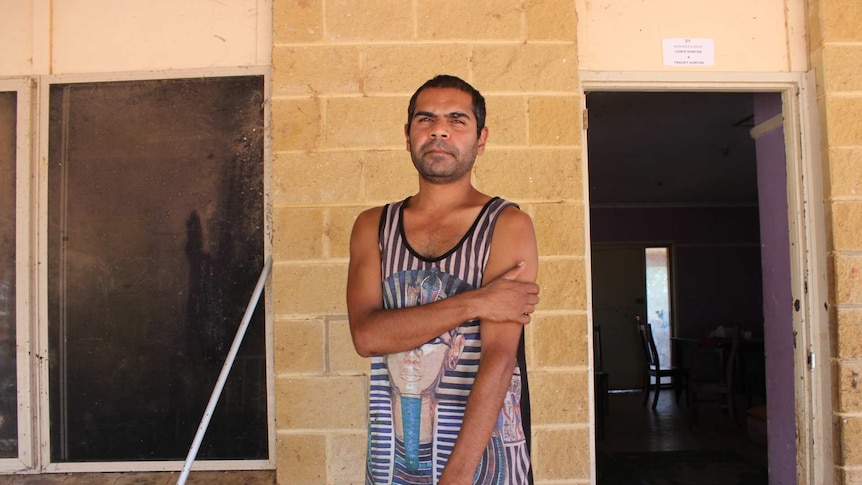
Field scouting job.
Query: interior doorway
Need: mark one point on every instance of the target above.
(683, 170)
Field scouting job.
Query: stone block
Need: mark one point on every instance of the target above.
(347, 458)
(309, 289)
(849, 434)
(559, 228)
(316, 178)
(555, 120)
(389, 176)
(849, 333)
(301, 458)
(343, 358)
(337, 228)
(506, 120)
(526, 67)
(294, 22)
(847, 225)
(315, 70)
(849, 387)
(403, 68)
(297, 233)
(560, 397)
(840, 20)
(296, 124)
(475, 20)
(848, 476)
(299, 346)
(563, 284)
(369, 20)
(841, 67)
(368, 122)
(547, 175)
(320, 402)
(559, 340)
(844, 118)
(845, 167)
(554, 20)
(848, 278)
(561, 454)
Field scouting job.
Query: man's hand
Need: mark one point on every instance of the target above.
(505, 299)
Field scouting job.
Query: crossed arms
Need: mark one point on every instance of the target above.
(502, 305)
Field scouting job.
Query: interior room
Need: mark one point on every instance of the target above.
(676, 229)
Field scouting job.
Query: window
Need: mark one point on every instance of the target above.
(153, 232)
(155, 242)
(658, 300)
(8, 355)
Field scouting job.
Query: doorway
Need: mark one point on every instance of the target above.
(680, 169)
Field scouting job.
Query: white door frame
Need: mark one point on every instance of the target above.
(807, 239)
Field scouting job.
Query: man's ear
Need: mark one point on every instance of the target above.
(483, 137)
(407, 135)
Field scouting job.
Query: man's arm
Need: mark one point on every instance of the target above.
(514, 240)
(378, 331)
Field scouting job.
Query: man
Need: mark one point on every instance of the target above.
(443, 329)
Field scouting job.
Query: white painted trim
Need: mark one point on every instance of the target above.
(156, 75)
(688, 81)
(767, 126)
(156, 466)
(807, 232)
(820, 393)
(23, 322)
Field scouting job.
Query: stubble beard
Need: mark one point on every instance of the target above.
(441, 168)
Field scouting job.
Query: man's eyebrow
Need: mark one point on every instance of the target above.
(453, 114)
(458, 114)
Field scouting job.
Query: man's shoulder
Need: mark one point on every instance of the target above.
(513, 215)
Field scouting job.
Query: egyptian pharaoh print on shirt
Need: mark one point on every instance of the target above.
(418, 397)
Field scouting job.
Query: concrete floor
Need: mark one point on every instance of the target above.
(631, 426)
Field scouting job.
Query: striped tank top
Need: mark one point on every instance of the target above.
(417, 398)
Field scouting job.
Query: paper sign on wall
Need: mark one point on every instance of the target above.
(688, 52)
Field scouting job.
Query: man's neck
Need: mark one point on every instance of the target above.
(445, 197)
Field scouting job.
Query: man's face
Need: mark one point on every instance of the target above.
(441, 136)
(417, 371)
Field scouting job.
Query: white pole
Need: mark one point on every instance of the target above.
(225, 370)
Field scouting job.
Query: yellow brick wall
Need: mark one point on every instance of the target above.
(835, 40)
(343, 72)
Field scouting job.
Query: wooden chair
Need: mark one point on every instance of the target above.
(653, 369)
(717, 392)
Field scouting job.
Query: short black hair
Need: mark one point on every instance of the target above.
(447, 81)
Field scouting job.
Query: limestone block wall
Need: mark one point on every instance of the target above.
(343, 73)
(836, 55)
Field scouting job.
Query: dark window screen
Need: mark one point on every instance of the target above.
(156, 226)
(8, 377)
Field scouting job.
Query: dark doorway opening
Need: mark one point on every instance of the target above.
(680, 170)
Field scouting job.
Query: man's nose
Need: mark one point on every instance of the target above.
(440, 130)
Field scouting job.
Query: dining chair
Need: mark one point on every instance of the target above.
(717, 392)
(653, 368)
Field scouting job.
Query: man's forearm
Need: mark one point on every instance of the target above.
(480, 417)
(388, 331)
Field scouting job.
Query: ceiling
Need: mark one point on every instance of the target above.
(671, 149)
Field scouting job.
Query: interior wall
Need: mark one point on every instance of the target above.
(716, 260)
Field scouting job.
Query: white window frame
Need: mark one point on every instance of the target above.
(23, 266)
(32, 277)
(808, 262)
